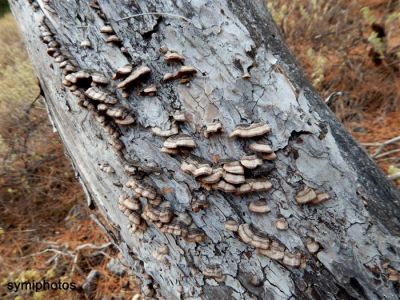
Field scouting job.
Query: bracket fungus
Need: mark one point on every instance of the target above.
(106, 29)
(96, 94)
(161, 252)
(231, 225)
(275, 251)
(99, 79)
(312, 246)
(179, 141)
(233, 178)
(129, 202)
(122, 72)
(214, 177)
(249, 131)
(175, 228)
(113, 39)
(136, 75)
(120, 115)
(173, 57)
(224, 186)
(233, 167)
(195, 235)
(270, 156)
(310, 196)
(214, 272)
(259, 147)
(281, 224)
(86, 44)
(213, 128)
(251, 161)
(292, 259)
(259, 206)
(174, 130)
(255, 185)
(150, 91)
(179, 117)
(253, 238)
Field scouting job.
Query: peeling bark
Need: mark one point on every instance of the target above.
(244, 75)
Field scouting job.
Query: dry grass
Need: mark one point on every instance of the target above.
(41, 204)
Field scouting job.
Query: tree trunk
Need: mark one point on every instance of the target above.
(346, 247)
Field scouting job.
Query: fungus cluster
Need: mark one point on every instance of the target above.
(160, 213)
(109, 35)
(133, 77)
(310, 196)
(264, 245)
(214, 272)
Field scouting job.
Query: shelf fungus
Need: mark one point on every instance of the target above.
(150, 91)
(310, 196)
(185, 72)
(120, 115)
(195, 168)
(233, 178)
(136, 75)
(162, 213)
(214, 177)
(212, 129)
(275, 251)
(96, 94)
(251, 161)
(224, 186)
(254, 185)
(129, 202)
(233, 167)
(179, 141)
(249, 131)
(174, 130)
(231, 225)
(99, 79)
(113, 39)
(292, 259)
(173, 57)
(122, 72)
(214, 272)
(270, 156)
(253, 237)
(86, 44)
(106, 168)
(106, 29)
(175, 228)
(259, 206)
(312, 246)
(78, 77)
(261, 148)
(281, 224)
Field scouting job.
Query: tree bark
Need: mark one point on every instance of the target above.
(245, 75)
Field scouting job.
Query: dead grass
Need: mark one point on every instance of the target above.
(40, 201)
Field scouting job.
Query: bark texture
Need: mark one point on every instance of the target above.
(357, 228)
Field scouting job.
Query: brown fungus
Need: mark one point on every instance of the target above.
(214, 177)
(224, 186)
(150, 91)
(270, 156)
(306, 195)
(122, 72)
(112, 39)
(281, 224)
(255, 185)
(106, 168)
(137, 74)
(233, 178)
(106, 29)
(312, 246)
(249, 131)
(195, 235)
(178, 141)
(259, 206)
(99, 79)
(292, 259)
(233, 167)
(199, 203)
(251, 161)
(96, 94)
(275, 251)
(213, 128)
(321, 197)
(174, 130)
(259, 147)
(173, 57)
(231, 225)
(86, 44)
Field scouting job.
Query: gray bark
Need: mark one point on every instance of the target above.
(357, 228)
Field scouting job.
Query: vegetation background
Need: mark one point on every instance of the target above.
(350, 50)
